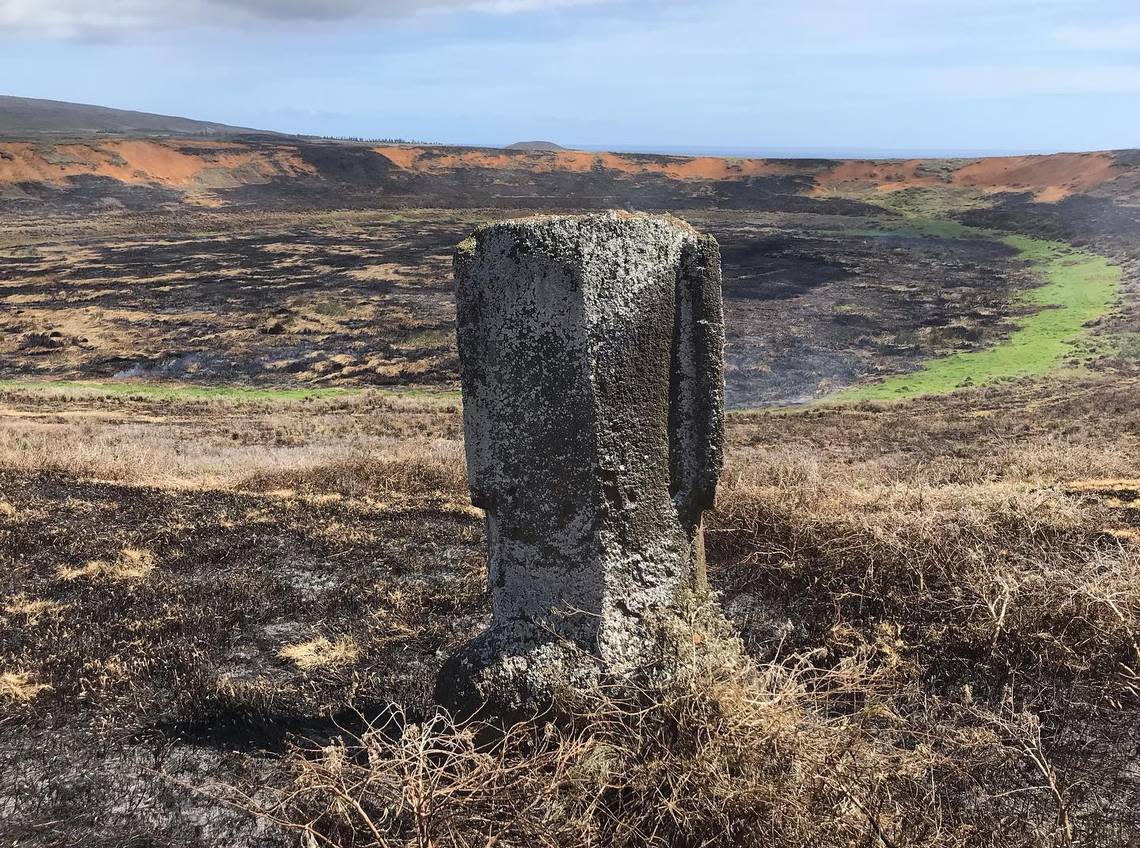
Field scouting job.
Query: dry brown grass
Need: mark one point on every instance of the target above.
(220, 443)
(131, 564)
(321, 652)
(19, 687)
(780, 754)
(940, 599)
(31, 609)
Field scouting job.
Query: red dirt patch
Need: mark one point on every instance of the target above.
(1049, 178)
(576, 161)
(881, 176)
(199, 166)
(148, 162)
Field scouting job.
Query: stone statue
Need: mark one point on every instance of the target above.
(591, 351)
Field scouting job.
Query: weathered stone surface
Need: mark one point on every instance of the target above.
(591, 357)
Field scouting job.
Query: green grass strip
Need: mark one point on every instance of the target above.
(183, 391)
(1079, 287)
(174, 391)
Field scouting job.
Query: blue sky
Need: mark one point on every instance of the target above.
(902, 75)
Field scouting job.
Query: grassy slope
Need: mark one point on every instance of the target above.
(160, 391)
(1079, 287)
(185, 391)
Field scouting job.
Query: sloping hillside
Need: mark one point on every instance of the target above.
(22, 116)
(93, 171)
(296, 173)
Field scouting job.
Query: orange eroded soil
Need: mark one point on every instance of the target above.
(1050, 178)
(577, 161)
(884, 176)
(199, 166)
(182, 163)
(1054, 177)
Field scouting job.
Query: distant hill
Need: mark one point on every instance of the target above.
(1078, 197)
(25, 116)
(535, 145)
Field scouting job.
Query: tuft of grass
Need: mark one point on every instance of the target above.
(321, 653)
(783, 753)
(330, 309)
(20, 687)
(131, 564)
(31, 610)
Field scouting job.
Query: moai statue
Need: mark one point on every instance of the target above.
(591, 351)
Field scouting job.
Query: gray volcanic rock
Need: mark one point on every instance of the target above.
(591, 353)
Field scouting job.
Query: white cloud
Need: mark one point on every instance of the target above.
(84, 18)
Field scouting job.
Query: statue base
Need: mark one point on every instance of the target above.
(511, 675)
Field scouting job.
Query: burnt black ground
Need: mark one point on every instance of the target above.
(242, 575)
(813, 303)
(341, 276)
(168, 688)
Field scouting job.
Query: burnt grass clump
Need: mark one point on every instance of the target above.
(236, 646)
